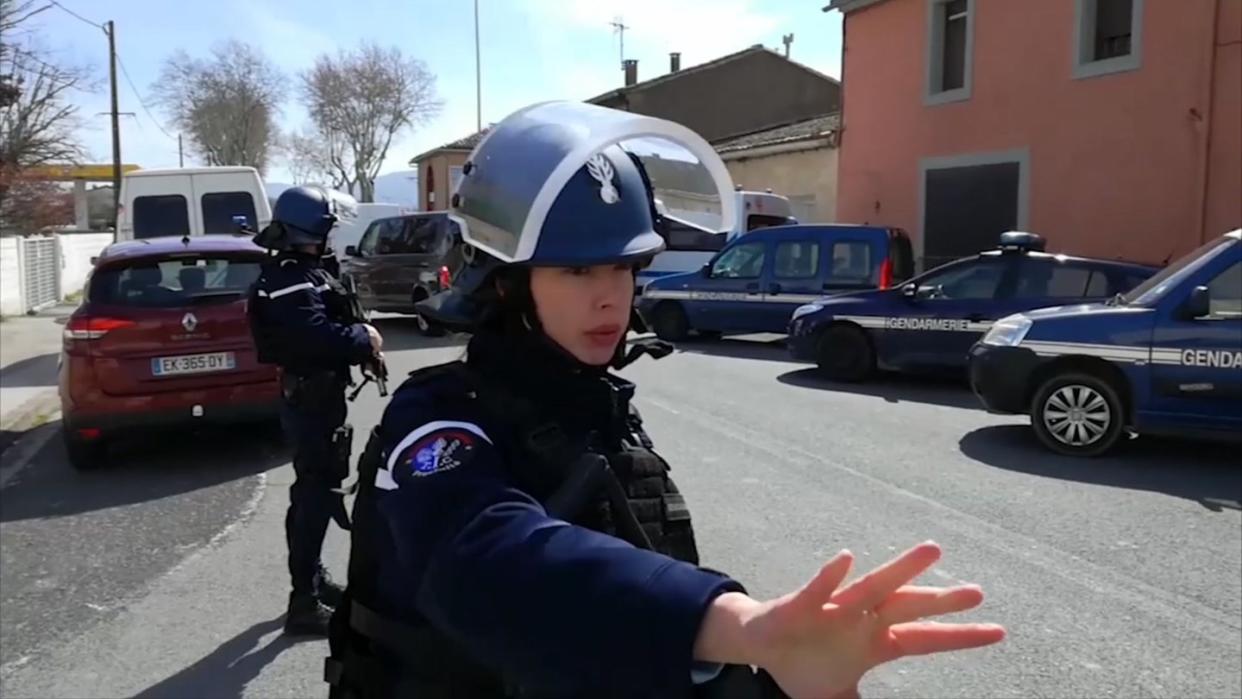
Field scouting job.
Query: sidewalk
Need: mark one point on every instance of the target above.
(29, 353)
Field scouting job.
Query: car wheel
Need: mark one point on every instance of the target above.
(845, 354)
(1077, 415)
(670, 322)
(85, 456)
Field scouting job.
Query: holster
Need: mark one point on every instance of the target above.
(340, 449)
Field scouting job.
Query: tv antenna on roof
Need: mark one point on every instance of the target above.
(618, 27)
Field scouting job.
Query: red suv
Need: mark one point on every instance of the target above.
(161, 339)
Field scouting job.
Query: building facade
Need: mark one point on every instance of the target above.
(1111, 127)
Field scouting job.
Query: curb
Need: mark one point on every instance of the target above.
(21, 453)
(37, 420)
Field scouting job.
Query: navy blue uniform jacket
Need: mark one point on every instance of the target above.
(552, 604)
(298, 306)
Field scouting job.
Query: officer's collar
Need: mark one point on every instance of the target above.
(540, 370)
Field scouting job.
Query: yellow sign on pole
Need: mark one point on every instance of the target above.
(68, 172)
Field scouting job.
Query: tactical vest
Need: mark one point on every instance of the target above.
(374, 657)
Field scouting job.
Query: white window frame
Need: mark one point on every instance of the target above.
(1084, 42)
(934, 56)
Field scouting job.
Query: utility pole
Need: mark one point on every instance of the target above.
(619, 28)
(180, 153)
(116, 121)
(478, 73)
(787, 40)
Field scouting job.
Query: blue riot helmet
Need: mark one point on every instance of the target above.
(570, 184)
(304, 216)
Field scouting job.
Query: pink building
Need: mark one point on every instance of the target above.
(1111, 127)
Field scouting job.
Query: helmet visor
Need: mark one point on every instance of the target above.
(522, 164)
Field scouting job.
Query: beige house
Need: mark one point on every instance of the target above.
(439, 170)
(798, 160)
(733, 99)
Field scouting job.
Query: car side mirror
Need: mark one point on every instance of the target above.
(1199, 304)
(94, 260)
(351, 251)
(706, 271)
(910, 291)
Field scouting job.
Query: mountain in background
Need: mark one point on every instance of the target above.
(400, 187)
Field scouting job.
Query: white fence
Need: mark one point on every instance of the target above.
(35, 270)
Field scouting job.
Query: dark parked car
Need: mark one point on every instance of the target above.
(402, 260)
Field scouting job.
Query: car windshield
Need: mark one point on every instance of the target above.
(170, 283)
(1151, 291)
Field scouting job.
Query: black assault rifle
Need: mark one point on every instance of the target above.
(374, 369)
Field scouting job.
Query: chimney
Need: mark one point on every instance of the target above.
(674, 62)
(631, 71)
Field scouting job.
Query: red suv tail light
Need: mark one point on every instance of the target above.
(93, 328)
(886, 273)
(446, 280)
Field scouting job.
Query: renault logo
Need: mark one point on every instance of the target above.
(189, 322)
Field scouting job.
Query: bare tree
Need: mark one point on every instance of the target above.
(14, 14)
(314, 157)
(38, 124)
(366, 98)
(228, 104)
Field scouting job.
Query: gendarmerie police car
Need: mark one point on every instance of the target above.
(760, 277)
(930, 322)
(1165, 357)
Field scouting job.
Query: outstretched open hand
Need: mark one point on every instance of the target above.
(820, 640)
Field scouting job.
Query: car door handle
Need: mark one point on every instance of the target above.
(752, 288)
(774, 288)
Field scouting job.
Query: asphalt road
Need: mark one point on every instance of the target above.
(1119, 577)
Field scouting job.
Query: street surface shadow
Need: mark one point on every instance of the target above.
(739, 348)
(225, 673)
(949, 391)
(1205, 472)
(160, 465)
(31, 372)
(401, 333)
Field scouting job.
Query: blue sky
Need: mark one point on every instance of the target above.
(532, 50)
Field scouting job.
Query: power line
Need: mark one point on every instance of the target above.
(96, 25)
(125, 72)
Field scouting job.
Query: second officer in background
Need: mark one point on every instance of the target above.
(301, 319)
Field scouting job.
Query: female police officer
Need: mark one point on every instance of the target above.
(514, 534)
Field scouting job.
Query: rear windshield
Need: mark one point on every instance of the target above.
(163, 214)
(189, 281)
(219, 208)
(680, 236)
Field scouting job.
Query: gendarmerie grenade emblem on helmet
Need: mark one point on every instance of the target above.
(599, 168)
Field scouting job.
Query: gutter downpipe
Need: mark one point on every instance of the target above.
(1205, 173)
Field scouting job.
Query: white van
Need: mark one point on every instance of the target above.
(191, 201)
(688, 241)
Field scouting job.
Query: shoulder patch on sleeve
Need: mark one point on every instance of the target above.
(434, 448)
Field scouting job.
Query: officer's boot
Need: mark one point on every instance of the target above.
(306, 616)
(326, 591)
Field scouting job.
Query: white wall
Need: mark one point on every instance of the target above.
(10, 278)
(76, 251)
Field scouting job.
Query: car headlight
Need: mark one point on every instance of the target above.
(806, 310)
(1008, 331)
